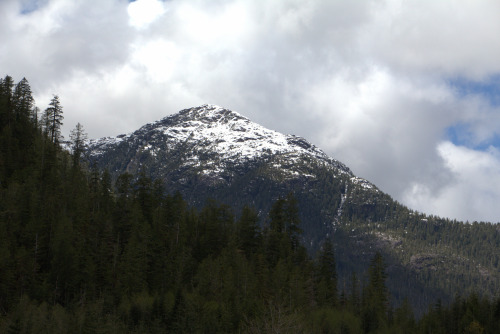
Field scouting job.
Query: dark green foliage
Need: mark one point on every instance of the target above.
(248, 231)
(326, 276)
(375, 303)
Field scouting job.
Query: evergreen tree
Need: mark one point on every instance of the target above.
(8, 140)
(375, 296)
(327, 276)
(23, 101)
(53, 120)
(292, 220)
(277, 216)
(6, 112)
(354, 298)
(78, 142)
(143, 191)
(248, 231)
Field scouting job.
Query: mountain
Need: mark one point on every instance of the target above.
(211, 152)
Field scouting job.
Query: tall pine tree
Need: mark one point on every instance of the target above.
(326, 289)
(78, 138)
(53, 120)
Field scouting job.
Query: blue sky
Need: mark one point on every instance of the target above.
(487, 89)
(460, 134)
(405, 92)
(29, 6)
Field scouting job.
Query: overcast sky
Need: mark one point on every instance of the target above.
(406, 93)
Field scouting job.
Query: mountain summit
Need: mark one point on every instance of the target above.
(234, 137)
(211, 140)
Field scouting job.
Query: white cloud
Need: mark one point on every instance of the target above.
(143, 12)
(158, 57)
(51, 44)
(454, 38)
(473, 193)
(214, 29)
(380, 122)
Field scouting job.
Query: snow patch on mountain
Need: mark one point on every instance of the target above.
(362, 182)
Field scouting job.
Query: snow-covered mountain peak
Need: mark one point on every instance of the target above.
(232, 136)
(206, 114)
(213, 139)
(210, 113)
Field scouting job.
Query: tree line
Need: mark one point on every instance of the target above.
(80, 253)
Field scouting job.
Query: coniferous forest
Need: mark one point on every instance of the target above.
(80, 253)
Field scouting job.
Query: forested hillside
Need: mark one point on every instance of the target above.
(210, 151)
(80, 253)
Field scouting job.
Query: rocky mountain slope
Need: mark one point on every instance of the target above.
(209, 151)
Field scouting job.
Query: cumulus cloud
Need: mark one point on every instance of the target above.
(371, 82)
(472, 193)
(381, 123)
